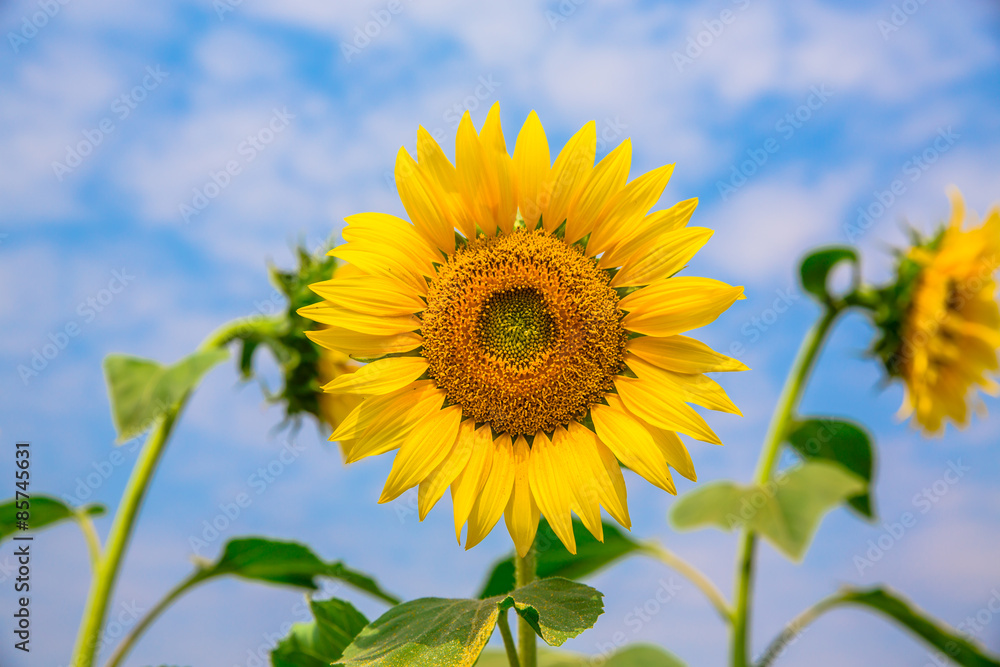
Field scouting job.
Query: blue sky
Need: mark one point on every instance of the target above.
(835, 101)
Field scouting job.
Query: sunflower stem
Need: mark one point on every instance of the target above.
(508, 639)
(90, 536)
(123, 649)
(106, 573)
(695, 576)
(109, 563)
(524, 571)
(784, 413)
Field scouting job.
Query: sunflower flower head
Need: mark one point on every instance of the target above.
(940, 322)
(523, 332)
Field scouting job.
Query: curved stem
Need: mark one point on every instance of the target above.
(121, 531)
(695, 576)
(784, 413)
(108, 565)
(123, 649)
(524, 570)
(508, 640)
(795, 626)
(90, 536)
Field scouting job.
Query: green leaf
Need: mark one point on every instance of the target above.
(286, 563)
(947, 640)
(842, 442)
(44, 511)
(555, 561)
(786, 511)
(816, 267)
(438, 631)
(323, 640)
(633, 655)
(142, 390)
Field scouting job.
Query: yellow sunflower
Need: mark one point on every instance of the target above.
(951, 330)
(520, 360)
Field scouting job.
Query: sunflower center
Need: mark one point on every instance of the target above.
(516, 325)
(523, 331)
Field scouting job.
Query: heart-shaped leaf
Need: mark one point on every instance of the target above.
(438, 631)
(842, 442)
(322, 641)
(142, 390)
(286, 563)
(44, 511)
(786, 511)
(816, 268)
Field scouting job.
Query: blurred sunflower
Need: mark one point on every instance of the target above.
(520, 360)
(942, 329)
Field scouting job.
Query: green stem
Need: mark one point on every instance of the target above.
(695, 576)
(109, 564)
(524, 571)
(123, 649)
(784, 413)
(795, 626)
(90, 536)
(508, 640)
(106, 573)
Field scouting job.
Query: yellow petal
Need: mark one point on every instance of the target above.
(627, 208)
(499, 162)
(444, 178)
(466, 487)
(521, 515)
(631, 443)
(674, 451)
(682, 355)
(614, 471)
(652, 404)
(370, 294)
(605, 181)
(634, 236)
(388, 430)
(398, 402)
(476, 181)
(390, 264)
(662, 257)
(677, 305)
(693, 388)
(551, 489)
(957, 207)
(493, 497)
(569, 175)
(435, 484)
(384, 230)
(364, 346)
(376, 325)
(532, 166)
(422, 451)
(379, 377)
(583, 486)
(605, 473)
(423, 203)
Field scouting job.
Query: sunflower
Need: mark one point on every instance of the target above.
(951, 328)
(521, 359)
